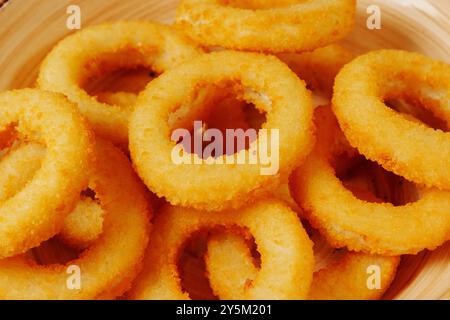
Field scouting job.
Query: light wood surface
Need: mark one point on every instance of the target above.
(28, 28)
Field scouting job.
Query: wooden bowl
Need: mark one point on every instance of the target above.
(28, 29)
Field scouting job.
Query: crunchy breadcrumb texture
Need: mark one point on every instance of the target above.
(412, 150)
(109, 265)
(267, 26)
(93, 51)
(37, 212)
(259, 79)
(346, 221)
(343, 279)
(19, 165)
(286, 251)
(83, 225)
(349, 277)
(222, 248)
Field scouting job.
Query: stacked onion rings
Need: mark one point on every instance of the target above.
(37, 212)
(18, 166)
(287, 258)
(122, 242)
(345, 278)
(356, 224)
(361, 89)
(237, 207)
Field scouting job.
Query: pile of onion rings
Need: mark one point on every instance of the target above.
(359, 104)
(358, 224)
(287, 262)
(122, 242)
(327, 223)
(344, 278)
(18, 166)
(39, 209)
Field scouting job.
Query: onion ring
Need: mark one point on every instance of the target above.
(37, 212)
(294, 26)
(18, 166)
(347, 221)
(287, 258)
(345, 278)
(363, 85)
(263, 80)
(86, 53)
(122, 243)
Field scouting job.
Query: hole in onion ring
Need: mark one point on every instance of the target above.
(370, 182)
(53, 251)
(117, 78)
(414, 110)
(324, 254)
(130, 80)
(8, 136)
(220, 109)
(192, 269)
(89, 193)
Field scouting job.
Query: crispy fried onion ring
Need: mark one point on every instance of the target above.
(122, 243)
(272, 26)
(419, 153)
(93, 51)
(37, 211)
(18, 166)
(286, 251)
(359, 225)
(345, 278)
(258, 79)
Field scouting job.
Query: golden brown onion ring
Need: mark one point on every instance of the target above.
(411, 150)
(255, 78)
(347, 221)
(37, 212)
(271, 26)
